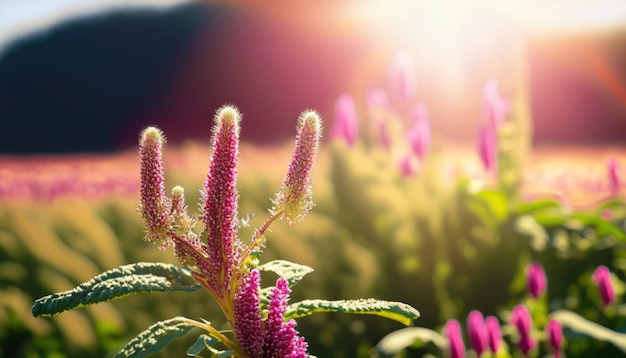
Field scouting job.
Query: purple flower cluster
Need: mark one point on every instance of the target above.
(270, 338)
(483, 333)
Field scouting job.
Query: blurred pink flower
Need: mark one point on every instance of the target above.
(405, 166)
(452, 330)
(494, 334)
(614, 180)
(419, 136)
(383, 133)
(536, 279)
(520, 318)
(602, 278)
(488, 148)
(377, 98)
(554, 333)
(477, 332)
(346, 124)
(402, 78)
(495, 106)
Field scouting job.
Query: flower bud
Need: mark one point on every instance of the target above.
(614, 181)
(521, 319)
(488, 148)
(402, 77)
(346, 124)
(495, 106)
(493, 333)
(477, 332)
(554, 333)
(602, 278)
(405, 166)
(536, 279)
(452, 331)
(418, 136)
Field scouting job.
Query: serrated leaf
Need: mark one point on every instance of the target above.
(403, 338)
(291, 271)
(397, 311)
(155, 338)
(579, 324)
(207, 342)
(117, 283)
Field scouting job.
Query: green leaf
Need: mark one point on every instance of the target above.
(496, 201)
(117, 283)
(579, 324)
(403, 338)
(207, 342)
(397, 311)
(156, 337)
(291, 271)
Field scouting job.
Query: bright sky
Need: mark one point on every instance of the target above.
(22, 16)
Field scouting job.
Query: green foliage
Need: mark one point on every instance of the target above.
(117, 283)
(155, 338)
(396, 311)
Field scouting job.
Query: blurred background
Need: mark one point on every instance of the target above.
(79, 80)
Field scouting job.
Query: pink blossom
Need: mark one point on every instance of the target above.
(488, 148)
(419, 135)
(281, 339)
(493, 333)
(452, 330)
(521, 319)
(554, 333)
(377, 98)
(536, 279)
(402, 77)
(495, 106)
(614, 180)
(602, 278)
(346, 124)
(477, 332)
(405, 166)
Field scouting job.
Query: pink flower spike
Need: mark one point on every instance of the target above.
(402, 77)
(405, 166)
(536, 279)
(248, 322)
(155, 206)
(494, 333)
(346, 124)
(419, 136)
(495, 106)
(281, 338)
(220, 195)
(521, 318)
(477, 332)
(488, 148)
(294, 200)
(377, 98)
(383, 133)
(452, 330)
(614, 180)
(554, 333)
(602, 278)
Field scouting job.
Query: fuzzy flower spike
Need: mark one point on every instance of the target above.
(220, 195)
(155, 206)
(294, 200)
